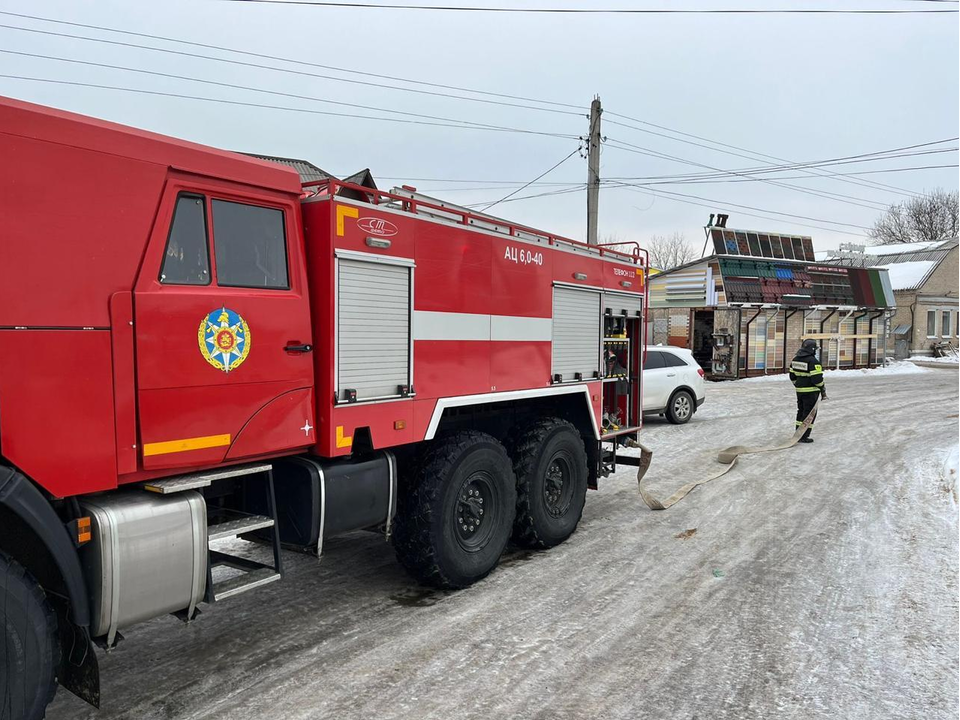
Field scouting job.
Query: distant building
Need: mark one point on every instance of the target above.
(745, 309)
(311, 173)
(307, 170)
(924, 277)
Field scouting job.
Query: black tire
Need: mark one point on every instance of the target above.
(30, 651)
(550, 463)
(454, 523)
(681, 407)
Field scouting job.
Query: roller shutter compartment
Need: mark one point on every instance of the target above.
(619, 303)
(576, 333)
(373, 329)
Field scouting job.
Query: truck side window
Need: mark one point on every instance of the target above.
(250, 246)
(186, 260)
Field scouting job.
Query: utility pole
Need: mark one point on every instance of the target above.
(593, 170)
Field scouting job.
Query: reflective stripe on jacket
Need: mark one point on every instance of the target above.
(806, 373)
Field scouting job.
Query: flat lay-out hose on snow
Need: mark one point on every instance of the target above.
(726, 457)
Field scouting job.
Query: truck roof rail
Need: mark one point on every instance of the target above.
(409, 200)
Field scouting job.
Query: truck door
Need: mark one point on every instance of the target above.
(222, 327)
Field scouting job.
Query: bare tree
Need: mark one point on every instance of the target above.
(933, 216)
(668, 252)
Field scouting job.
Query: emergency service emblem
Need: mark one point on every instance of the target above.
(224, 339)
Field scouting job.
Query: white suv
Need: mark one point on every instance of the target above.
(672, 383)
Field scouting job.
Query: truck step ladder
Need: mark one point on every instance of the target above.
(223, 523)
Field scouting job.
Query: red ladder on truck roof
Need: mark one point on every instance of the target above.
(407, 199)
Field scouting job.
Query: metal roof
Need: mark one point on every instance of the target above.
(307, 170)
(891, 254)
(311, 173)
(931, 254)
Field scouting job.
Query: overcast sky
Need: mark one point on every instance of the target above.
(798, 87)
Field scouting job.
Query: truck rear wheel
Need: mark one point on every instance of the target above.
(550, 463)
(30, 653)
(455, 523)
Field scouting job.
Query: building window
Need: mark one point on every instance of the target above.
(945, 324)
(931, 323)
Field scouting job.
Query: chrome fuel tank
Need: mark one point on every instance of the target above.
(147, 557)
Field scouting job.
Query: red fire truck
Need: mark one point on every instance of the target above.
(195, 346)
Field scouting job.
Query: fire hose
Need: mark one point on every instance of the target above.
(726, 457)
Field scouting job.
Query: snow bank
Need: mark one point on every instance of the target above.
(949, 360)
(906, 275)
(896, 368)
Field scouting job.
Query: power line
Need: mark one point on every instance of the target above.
(267, 67)
(679, 179)
(656, 193)
(756, 172)
(543, 174)
(822, 194)
(865, 183)
(749, 207)
(254, 89)
(838, 197)
(575, 188)
(746, 214)
(279, 107)
(592, 11)
(400, 79)
(711, 181)
(286, 60)
(892, 153)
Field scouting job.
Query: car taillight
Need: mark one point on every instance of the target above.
(700, 371)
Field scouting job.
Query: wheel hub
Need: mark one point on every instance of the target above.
(557, 486)
(473, 512)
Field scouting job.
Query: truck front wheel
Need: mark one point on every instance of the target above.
(455, 522)
(30, 651)
(551, 467)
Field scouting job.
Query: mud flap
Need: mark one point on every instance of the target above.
(79, 671)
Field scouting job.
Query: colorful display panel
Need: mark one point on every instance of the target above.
(765, 282)
(747, 243)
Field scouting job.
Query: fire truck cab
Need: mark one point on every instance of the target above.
(194, 346)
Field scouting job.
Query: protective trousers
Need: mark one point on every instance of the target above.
(805, 403)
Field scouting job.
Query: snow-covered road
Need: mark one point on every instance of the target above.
(818, 582)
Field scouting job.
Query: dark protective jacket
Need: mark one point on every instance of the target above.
(806, 373)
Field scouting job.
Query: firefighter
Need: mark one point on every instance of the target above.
(806, 374)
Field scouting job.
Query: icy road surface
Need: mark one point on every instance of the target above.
(817, 582)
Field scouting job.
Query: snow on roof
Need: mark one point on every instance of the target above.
(908, 275)
(901, 247)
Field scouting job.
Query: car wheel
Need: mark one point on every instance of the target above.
(681, 408)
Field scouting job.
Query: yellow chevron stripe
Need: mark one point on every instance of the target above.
(342, 212)
(175, 446)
